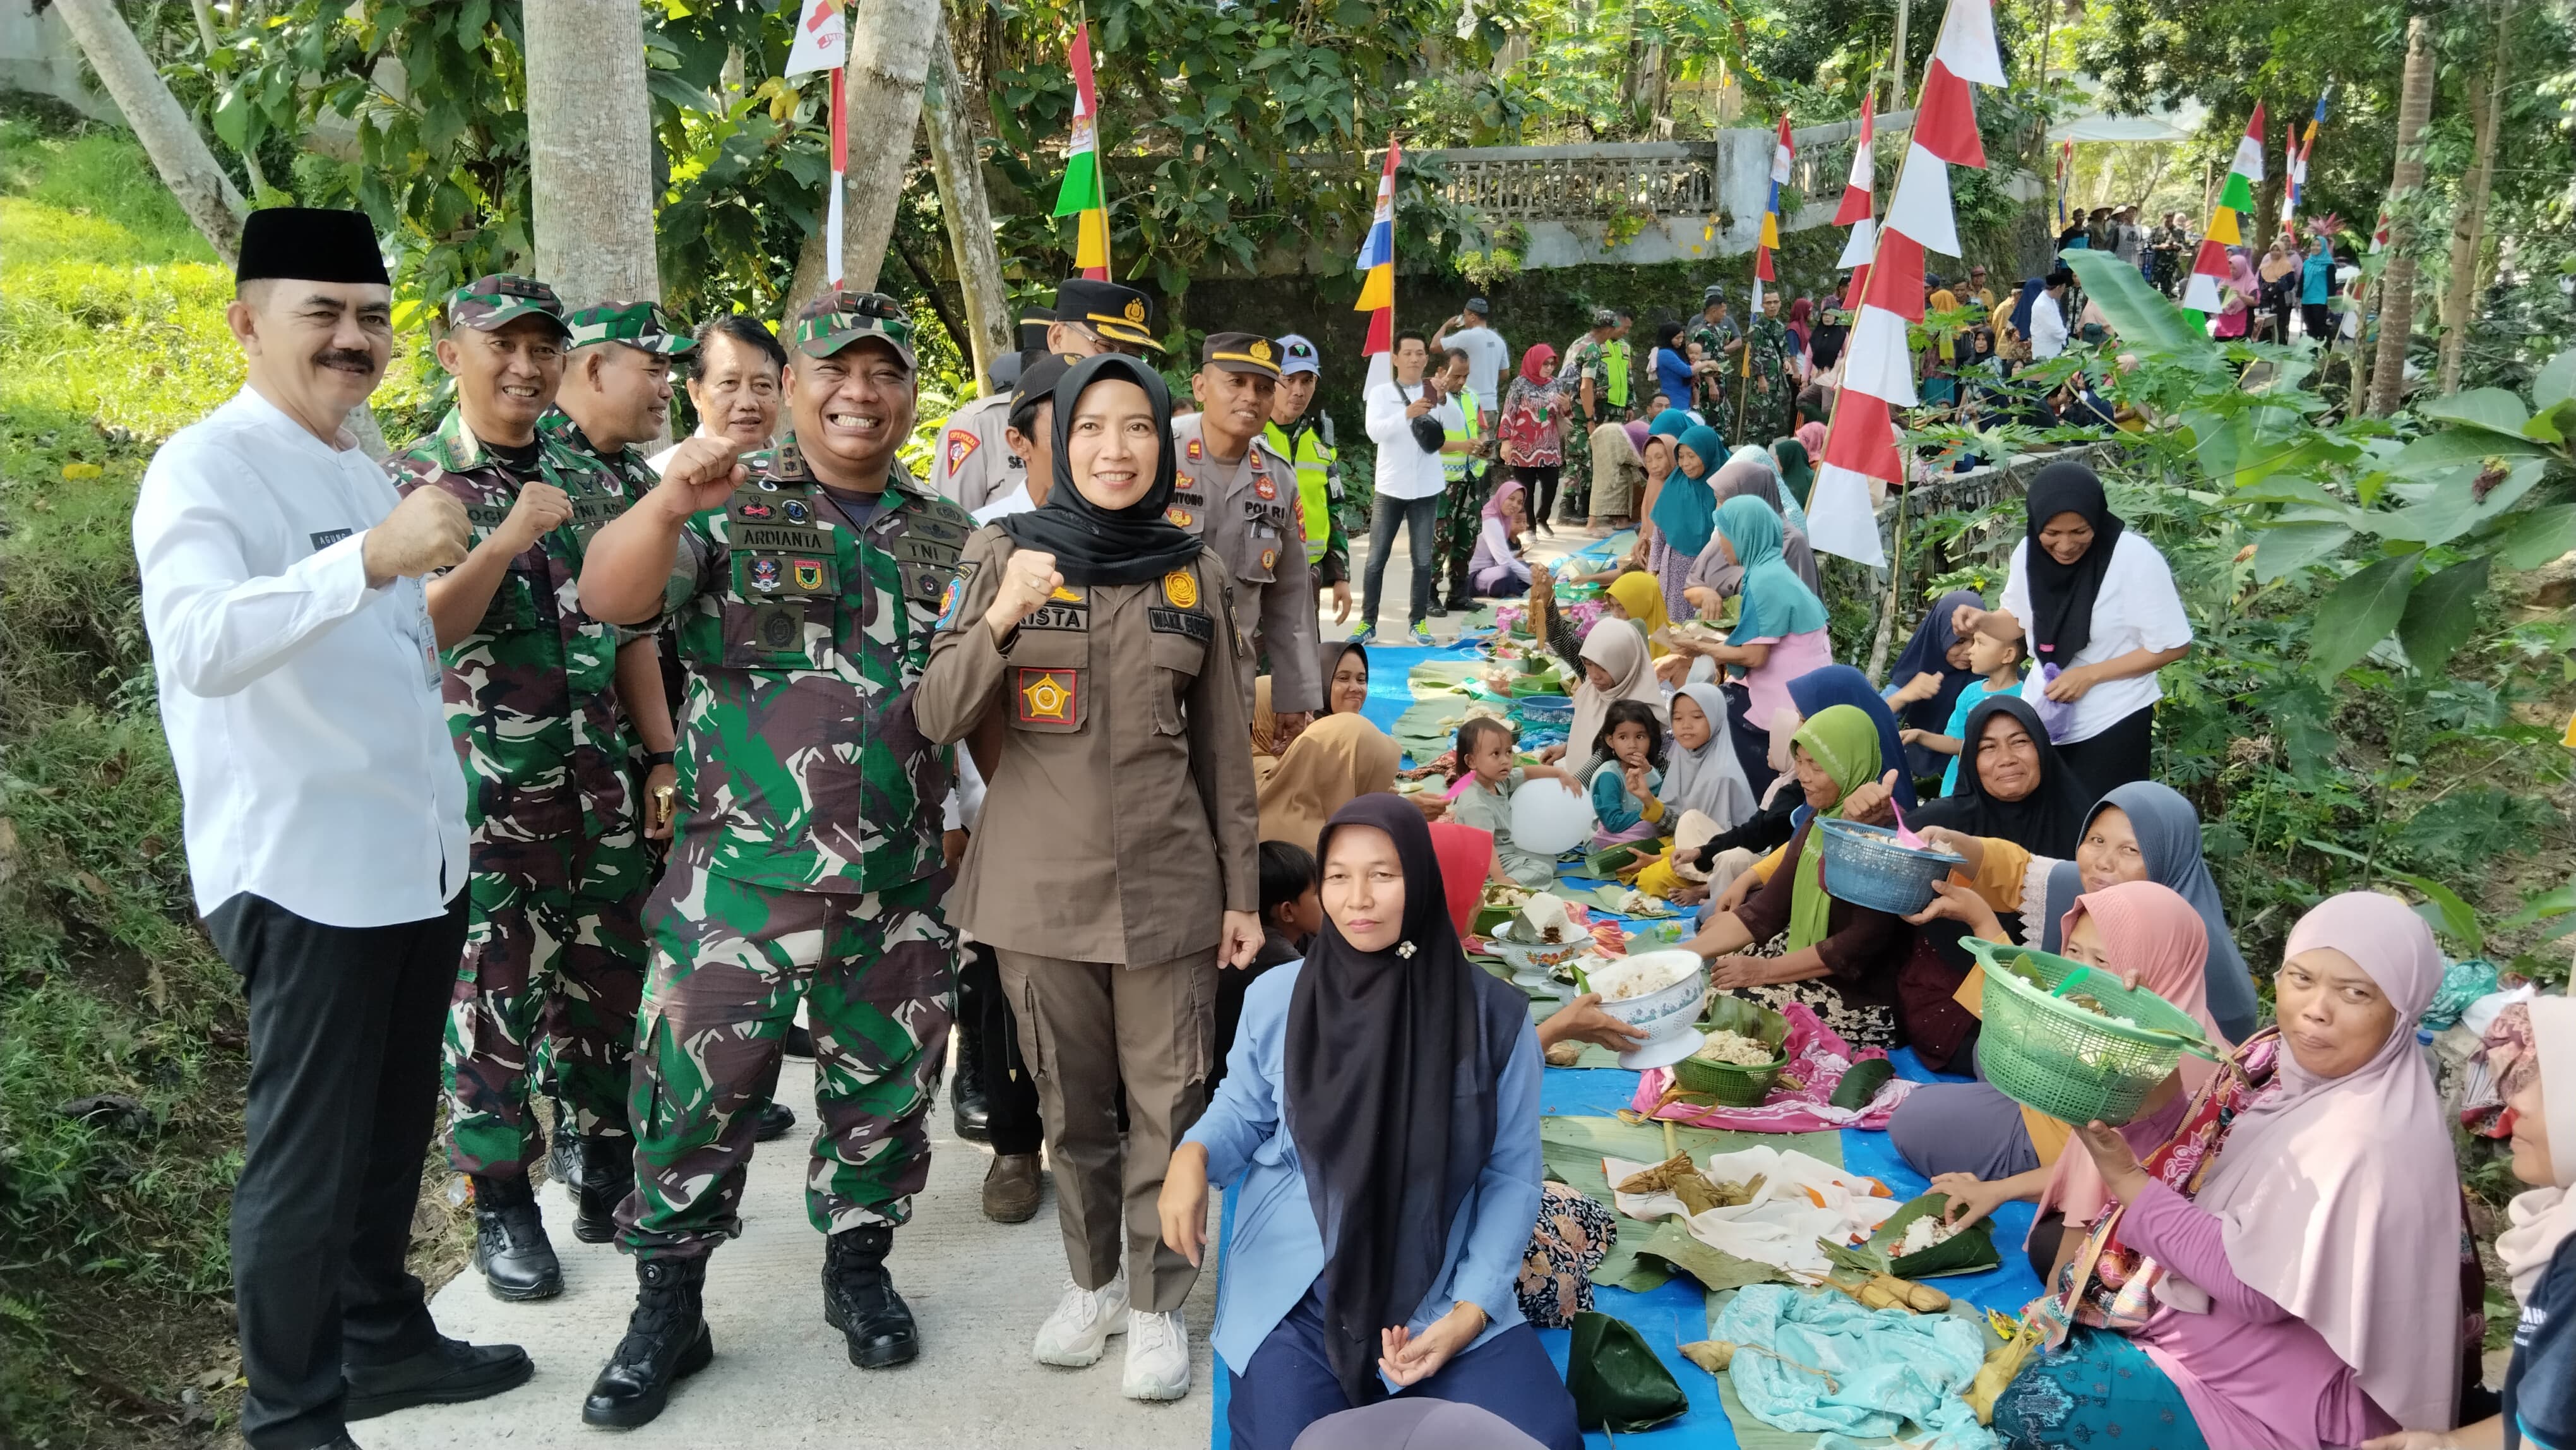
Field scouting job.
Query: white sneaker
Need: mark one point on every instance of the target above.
(1079, 1329)
(1158, 1356)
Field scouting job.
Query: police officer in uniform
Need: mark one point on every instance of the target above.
(975, 465)
(1114, 866)
(538, 701)
(1304, 433)
(805, 582)
(1235, 490)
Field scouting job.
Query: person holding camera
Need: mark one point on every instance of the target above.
(1411, 420)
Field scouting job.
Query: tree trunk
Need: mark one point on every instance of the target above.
(890, 45)
(187, 167)
(2397, 284)
(949, 124)
(590, 151)
(2468, 230)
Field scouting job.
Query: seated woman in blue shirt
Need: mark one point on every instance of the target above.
(1380, 1111)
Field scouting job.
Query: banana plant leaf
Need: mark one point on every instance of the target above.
(1573, 1147)
(1714, 1268)
(1861, 1082)
(1970, 1251)
(1616, 1379)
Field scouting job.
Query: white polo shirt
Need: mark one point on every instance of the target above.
(301, 706)
(1404, 471)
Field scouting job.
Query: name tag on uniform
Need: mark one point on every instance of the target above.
(779, 539)
(1180, 621)
(1051, 615)
(328, 537)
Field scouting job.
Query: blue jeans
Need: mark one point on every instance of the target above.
(1418, 515)
(1289, 1385)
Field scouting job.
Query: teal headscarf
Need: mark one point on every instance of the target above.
(1670, 423)
(1686, 507)
(1776, 601)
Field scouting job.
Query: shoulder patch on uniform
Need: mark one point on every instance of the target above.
(1194, 450)
(961, 446)
(953, 599)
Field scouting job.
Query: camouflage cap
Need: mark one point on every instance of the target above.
(488, 304)
(640, 325)
(836, 319)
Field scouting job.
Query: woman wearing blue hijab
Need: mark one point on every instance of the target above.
(1685, 514)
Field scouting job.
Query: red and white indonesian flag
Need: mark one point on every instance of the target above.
(1858, 210)
(1861, 443)
(2209, 266)
(822, 43)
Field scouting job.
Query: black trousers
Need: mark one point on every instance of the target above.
(1010, 1089)
(1539, 483)
(2117, 756)
(344, 1032)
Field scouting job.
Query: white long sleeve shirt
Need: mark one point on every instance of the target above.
(2047, 327)
(1403, 469)
(301, 706)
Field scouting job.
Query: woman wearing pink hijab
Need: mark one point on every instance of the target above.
(2280, 1272)
(2236, 318)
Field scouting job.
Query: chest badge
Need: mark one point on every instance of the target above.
(797, 513)
(1194, 450)
(767, 485)
(808, 574)
(1046, 696)
(1262, 486)
(764, 575)
(1180, 518)
(1066, 593)
(1180, 590)
(1269, 557)
(755, 511)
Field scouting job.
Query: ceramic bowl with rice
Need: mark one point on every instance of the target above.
(1659, 992)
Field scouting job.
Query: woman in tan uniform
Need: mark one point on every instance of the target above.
(1090, 646)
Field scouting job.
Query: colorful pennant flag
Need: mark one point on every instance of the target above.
(1861, 443)
(1783, 161)
(1859, 208)
(822, 43)
(1085, 193)
(1377, 263)
(2235, 205)
(2299, 152)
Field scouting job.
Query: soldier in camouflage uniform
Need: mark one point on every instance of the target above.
(1587, 385)
(1720, 343)
(553, 956)
(805, 584)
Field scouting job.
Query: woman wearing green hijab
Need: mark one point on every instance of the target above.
(1797, 470)
(1838, 959)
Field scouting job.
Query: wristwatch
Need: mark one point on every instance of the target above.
(653, 758)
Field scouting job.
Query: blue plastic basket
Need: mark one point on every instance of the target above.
(1866, 867)
(1545, 709)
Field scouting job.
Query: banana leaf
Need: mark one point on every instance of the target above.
(1616, 1379)
(1970, 1251)
(1714, 1268)
(1861, 1082)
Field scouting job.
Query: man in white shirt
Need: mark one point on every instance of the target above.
(1489, 358)
(2048, 331)
(325, 826)
(1410, 478)
(733, 384)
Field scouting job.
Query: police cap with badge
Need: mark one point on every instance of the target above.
(1118, 314)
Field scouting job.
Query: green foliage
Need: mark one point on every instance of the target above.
(111, 337)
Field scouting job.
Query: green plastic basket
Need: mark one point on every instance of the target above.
(2074, 1065)
(1738, 1087)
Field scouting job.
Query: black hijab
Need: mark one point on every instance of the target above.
(1378, 1046)
(1929, 653)
(1093, 545)
(1331, 652)
(2062, 595)
(2047, 822)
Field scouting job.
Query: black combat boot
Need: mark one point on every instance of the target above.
(666, 1342)
(966, 1098)
(510, 1243)
(603, 1174)
(777, 1120)
(859, 1299)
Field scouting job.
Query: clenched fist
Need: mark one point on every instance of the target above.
(703, 473)
(540, 508)
(426, 531)
(1028, 577)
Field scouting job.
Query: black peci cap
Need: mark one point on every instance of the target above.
(310, 244)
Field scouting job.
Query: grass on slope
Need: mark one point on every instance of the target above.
(114, 1286)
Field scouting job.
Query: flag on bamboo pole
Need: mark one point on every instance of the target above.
(1783, 160)
(1859, 210)
(1861, 442)
(822, 43)
(2065, 166)
(1085, 192)
(2299, 152)
(1377, 263)
(2235, 203)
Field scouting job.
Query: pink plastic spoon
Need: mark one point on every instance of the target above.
(1904, 836)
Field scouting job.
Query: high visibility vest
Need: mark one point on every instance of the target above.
(1615, 352)
(1455, 465)
(1314, 455)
